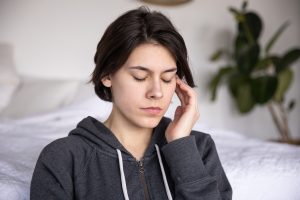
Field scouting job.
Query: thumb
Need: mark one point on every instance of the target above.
(178, 113)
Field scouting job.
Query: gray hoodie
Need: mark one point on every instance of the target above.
(92, 164)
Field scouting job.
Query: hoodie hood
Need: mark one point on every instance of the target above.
(95, 132)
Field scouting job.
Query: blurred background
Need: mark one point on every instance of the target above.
(47, 49)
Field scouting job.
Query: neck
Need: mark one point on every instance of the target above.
(134, 138)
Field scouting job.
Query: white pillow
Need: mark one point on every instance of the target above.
(36, 96)
(9, 78)
(84, 91)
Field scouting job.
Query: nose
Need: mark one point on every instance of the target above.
(155, 90)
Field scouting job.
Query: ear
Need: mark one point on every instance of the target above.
(106, 81)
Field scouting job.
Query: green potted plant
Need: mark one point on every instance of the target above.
(255, 75)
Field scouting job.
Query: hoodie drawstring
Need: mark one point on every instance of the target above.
(163, 173)
(123, 181)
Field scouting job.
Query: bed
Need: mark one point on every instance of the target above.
(256, 169)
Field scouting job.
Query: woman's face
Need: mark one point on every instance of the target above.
(143, 87)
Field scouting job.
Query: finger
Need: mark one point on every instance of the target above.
(180, 95)
(188, 94)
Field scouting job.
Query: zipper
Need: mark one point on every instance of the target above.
(143, 180)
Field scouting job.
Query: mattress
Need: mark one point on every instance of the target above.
(256, 169)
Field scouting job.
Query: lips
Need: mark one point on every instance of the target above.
(152, 110)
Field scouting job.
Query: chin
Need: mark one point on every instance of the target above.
(150, 122)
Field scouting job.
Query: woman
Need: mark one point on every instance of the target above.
(141, 62)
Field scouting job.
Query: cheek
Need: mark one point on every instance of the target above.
(126, 92)
(170, 90)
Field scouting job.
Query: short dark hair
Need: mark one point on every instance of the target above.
(131, 29)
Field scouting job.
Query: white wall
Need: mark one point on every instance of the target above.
(58, 38)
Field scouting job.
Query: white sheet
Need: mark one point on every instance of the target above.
(256, 169)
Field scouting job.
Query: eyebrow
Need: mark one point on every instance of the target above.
(174, 69)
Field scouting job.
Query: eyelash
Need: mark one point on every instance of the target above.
(143, 79)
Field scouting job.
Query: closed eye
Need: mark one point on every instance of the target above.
(143, 79)
(167, 81)
(139, 79)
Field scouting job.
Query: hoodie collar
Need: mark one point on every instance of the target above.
(96, 132)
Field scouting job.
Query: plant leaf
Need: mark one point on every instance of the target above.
(290, 57)
(263, 64)
(240, 43)
(263, 88)
(239, 17)
(216, 55)
(244, 6)
(247, 58)
(239, 87)
(244, 98)
(236, 79)
(285, 79)
(276, 36)
(291, 105)
(215, 81)
(251, 26)
(276, 61)
(233, 10)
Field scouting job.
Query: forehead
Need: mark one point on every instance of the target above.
(154, 57)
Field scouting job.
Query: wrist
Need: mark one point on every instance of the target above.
(173, 136)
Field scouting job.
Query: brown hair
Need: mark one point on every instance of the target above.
(126, 33)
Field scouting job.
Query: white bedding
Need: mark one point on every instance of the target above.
(256, 169)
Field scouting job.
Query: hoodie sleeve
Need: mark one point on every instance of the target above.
(196, 169)
(52, 178)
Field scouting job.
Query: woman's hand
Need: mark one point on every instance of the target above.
(185, 115)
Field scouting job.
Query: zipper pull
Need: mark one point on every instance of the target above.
(141, 166)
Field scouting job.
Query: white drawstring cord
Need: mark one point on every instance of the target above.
(163, 173)
(123, 181)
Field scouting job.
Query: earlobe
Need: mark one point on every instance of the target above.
(106, 81)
